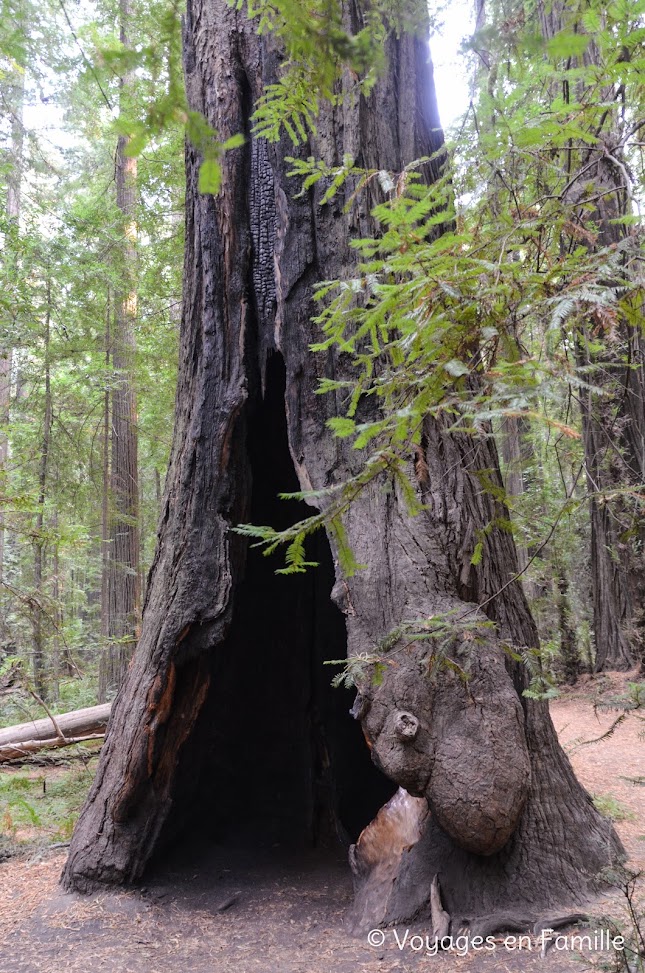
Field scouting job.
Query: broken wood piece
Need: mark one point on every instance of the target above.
(228, 902)
(16, 751)
(376, 859)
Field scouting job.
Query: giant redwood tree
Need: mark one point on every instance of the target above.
(226, 707)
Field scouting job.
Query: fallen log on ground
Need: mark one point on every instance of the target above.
(57, 731)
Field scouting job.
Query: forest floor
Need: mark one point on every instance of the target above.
(248, 912)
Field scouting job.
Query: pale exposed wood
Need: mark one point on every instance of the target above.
(376, 857)
(440, 918)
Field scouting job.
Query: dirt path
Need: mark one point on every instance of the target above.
(266, 913)
(607, 768)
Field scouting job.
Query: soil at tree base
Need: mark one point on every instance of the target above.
(213, 909)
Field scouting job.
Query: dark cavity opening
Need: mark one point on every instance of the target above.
(280, 759)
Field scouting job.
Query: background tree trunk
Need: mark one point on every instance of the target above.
(16, 98)
(633, 436)
(105, 491)
(613, 424)
(57, 661)
(514, 434)
(609, 559)
(38, 608)
(123, 583)
(509, 824)
(569, 653)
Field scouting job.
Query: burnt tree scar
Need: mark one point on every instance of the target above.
(263, 219)
(159, 709)
(231, 424)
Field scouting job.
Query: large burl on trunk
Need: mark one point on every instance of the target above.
(226, 694)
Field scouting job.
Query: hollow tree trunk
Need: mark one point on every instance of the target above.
(509, 824)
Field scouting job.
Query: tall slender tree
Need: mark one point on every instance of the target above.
(39, 542)
(123, 583)
(13, 97)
